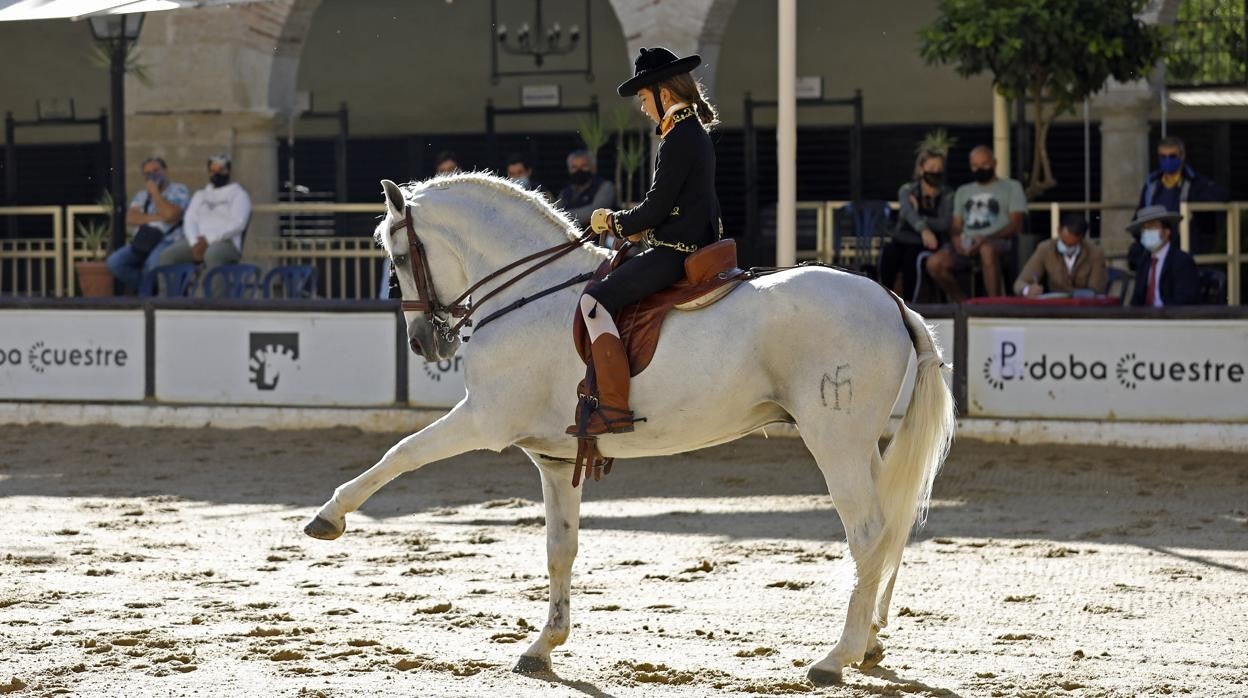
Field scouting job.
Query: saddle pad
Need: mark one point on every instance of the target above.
(639, 324)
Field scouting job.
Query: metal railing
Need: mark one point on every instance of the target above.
(347, 267)
(1233, 259)
(28, 264)
(350, 267)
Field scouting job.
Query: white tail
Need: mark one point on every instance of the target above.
(915, 453)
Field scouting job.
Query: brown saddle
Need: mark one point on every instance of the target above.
(710, 274)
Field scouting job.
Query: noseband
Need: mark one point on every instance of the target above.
(427, 296)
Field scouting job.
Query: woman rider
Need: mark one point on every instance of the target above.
(679, 215)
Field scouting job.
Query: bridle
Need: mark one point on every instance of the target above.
(461, 308)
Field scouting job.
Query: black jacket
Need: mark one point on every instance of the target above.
(681, 205)
(1195, 187)
(1179, 283)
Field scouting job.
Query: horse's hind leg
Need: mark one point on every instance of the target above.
(453, 434)
(875, 649)
(845, 456)
(563, 520)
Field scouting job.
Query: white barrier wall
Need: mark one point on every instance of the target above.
(1180, 370)
(1088, 368)
(72, 354)
(438, 384)
(275, 358)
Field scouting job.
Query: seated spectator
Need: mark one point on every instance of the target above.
(986, 214)
(446, 163)
(586, 191)
(1175, 183)
(1164, 274)
(926, 211)
(520, 171)
(158, 207)
(217, 217)
(1065, 265)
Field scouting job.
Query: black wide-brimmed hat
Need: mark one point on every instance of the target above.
(654, 65)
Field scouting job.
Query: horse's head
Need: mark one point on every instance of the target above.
(428, 329)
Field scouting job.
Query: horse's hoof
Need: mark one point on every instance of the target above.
(874, 656)
(823, 677)
(323, 529)
(531, 665)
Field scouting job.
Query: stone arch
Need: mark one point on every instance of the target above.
(688, 26)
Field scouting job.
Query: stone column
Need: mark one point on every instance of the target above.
(219, 80)
(1124, 111)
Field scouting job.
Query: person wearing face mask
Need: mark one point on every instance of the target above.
(1065, 265)
(156, 214)
(1164, 274)
(925, 206)
(1176, 182)
(586, 191)
(986, 214)
(215, 221)
(520, 171)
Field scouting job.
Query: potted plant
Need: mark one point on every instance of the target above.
(94, 278)
(629, 154)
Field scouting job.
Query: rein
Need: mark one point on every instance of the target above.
(427, 298)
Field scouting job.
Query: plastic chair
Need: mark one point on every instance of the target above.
(294, 280)
(171, 280)
(1212, 286)
(869, 222)
(1118, 280)
(239, 280)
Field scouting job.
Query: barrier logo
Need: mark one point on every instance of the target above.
(436, 369)
(1131, 370)
(42, 357)
(272, 354)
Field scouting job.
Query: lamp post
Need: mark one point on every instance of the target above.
(118, 31)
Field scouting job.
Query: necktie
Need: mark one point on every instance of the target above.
(1152, 284)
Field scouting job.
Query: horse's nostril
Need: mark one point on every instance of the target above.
(415, 345)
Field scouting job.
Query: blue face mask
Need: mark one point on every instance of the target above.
(522, 181)
(1151, 239)
(1066, 250)
(1171, 163)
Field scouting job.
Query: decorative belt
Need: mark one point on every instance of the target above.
(678, 246)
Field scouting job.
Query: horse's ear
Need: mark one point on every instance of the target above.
(394, 198)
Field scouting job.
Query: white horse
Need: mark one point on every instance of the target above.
(824, 349)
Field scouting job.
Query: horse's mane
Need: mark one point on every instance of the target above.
(414, 191)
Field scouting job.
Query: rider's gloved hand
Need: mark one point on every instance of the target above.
(600, 220)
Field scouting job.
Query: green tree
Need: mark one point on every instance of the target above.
(1055, 52)
(1209, 45)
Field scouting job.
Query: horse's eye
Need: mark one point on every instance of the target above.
(400, 260)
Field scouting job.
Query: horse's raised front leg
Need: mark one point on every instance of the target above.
(563, 521)
(455, 433)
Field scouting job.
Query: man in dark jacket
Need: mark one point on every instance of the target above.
(1175, 183)
(1164, 274)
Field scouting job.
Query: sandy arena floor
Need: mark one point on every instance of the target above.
(170, 563)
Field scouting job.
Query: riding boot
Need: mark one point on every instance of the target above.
(605, 391)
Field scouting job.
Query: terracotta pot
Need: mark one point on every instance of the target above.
(94, 279)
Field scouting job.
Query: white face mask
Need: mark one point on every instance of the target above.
(1151, 239)
(1067, 250)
